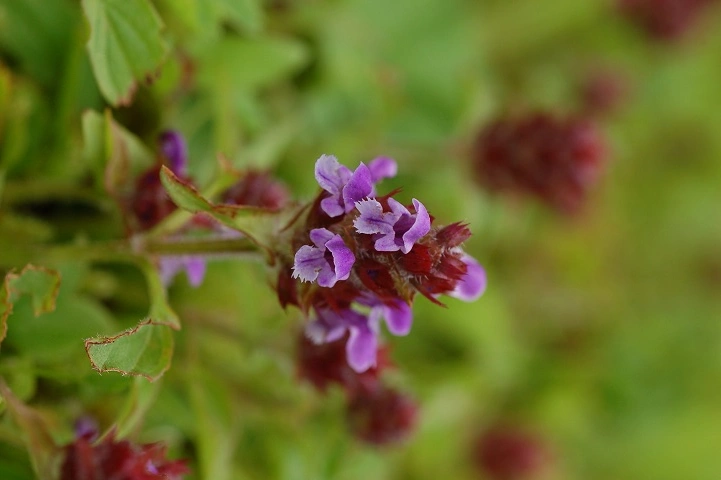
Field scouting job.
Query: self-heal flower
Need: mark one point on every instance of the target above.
(345, 187)
(328, 261)
(396, 230)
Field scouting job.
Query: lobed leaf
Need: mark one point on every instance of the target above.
(144, 350)
(40, 283)
(125, 45)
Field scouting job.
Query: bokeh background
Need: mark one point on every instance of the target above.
(599, 335)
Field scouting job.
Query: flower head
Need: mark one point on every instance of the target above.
(552, 158)
(505, 452)
(119, 460)
(368, 260)
(663, 19)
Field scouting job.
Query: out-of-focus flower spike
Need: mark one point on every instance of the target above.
(175, 151)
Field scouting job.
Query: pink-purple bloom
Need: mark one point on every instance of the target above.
(328, 261)
(396, 230)
(473, 283)
(347, 187)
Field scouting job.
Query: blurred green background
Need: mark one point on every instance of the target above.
(600, 332)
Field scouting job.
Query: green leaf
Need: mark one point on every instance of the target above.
(250, 64)
(144, 350)
(40, 283)
(37, 33)
(260, 225)
(125, 45)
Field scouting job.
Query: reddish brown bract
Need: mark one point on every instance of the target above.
(382, 416)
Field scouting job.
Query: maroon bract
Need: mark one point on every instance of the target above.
(664, 19)
(555, 159)
(382, 415)
(118, 460)
(504, 452)
(150, 203)
(257, 189)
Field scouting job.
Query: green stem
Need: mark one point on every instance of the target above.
(199, 246)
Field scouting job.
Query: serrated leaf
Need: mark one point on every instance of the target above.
(258, 224)
(125, 45)
(144, 350)
(45, 454)
(40, 283)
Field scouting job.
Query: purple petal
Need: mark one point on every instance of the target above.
(361, 349)
(372, 219)
(171, 266)
(343, 258)
(399, 318)
(321, 236)
(358, 187)
(421, 226)
(330, 174)
(332, 177)
(195, 270)
(473, 283)
(175, 151)
(382, 167)
(308, 262)
(326, 276)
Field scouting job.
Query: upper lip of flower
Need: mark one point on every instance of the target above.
(398, 229)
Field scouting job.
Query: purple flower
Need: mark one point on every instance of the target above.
(473, 283)
(175, 151)
(395, 230)
(362, 345)
(193, 265)
(398, 317)
(382, 167)
(328, 261)
(345, 187)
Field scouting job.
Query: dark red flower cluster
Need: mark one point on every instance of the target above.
(376, 413)
(555, 159)
(118, 460)
(664, 19)
(505, 452)
(603, 91)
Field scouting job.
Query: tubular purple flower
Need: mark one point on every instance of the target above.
(362, 345)
(473, 283)
(175, 151)
(328, 261)
(395, 230)
(345, 187)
